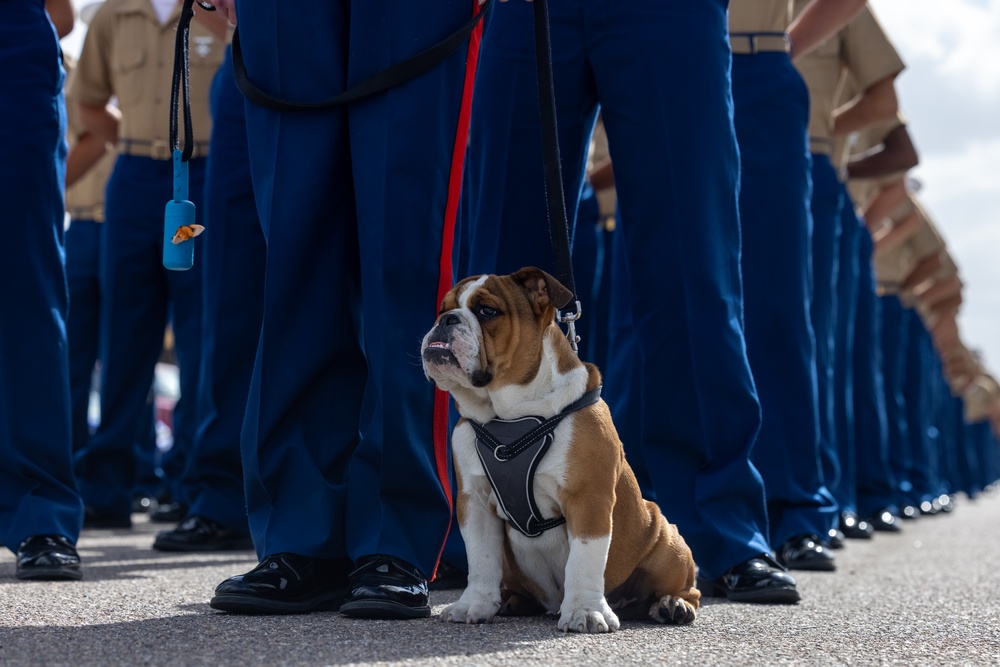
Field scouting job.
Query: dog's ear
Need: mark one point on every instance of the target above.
(543, 290)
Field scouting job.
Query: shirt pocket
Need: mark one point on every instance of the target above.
(128, 62)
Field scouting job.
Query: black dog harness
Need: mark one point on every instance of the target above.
(510, 451)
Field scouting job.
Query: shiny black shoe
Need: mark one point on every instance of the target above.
(93, 518)
(388, 588)
(947, 502)
(197, 533)
(168, 513)
(285, 584)
(855, 528)
(48, 557)
(885, 521)
(835, 538)
(909, 512)
(806, 552)
(930, 507)
(760, 580)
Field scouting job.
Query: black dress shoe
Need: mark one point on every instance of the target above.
(93, 518)
(448, 577)
(835, 538)
(930, 507)
(197, 533)
(388, 588)
(759, 579)
(909, 512)
(885, 521)
(168, 513)
(47, 557)
(947, 502)
(285, 584)
(806, 552)
(855, 528)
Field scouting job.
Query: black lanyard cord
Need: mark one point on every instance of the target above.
(182, 80)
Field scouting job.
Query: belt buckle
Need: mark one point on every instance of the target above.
(160, 150)
(753, 44)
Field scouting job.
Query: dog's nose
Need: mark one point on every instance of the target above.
(450, 320)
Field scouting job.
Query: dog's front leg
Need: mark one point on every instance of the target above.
(483, 533)
(584, 607)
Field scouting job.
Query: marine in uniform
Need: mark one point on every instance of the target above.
(232, 264)
(859, 58)
(771, 116)
(344, 444)
(40, 509)
(128, 53)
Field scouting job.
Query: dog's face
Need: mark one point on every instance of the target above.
(490, 330)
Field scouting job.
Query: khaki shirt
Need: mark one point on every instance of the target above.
(980, 399)
(860, 50)
(85, 200)
(128, 54)
(892, 267)
(759, 15)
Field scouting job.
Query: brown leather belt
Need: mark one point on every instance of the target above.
(93, 212)
(158, 150)
(752, 43)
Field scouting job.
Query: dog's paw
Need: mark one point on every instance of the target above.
(672, 611)
(588, 618)
(472, 609)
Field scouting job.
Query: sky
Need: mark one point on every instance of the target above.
(950, 94)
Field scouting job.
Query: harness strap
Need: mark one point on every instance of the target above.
(512, 478)
(380, 82)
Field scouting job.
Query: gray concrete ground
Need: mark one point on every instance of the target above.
(928, 596)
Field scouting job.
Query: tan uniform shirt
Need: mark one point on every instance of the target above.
(759, 15)
(892, 267)
(860, 50)
(129, 54)
(85, 199)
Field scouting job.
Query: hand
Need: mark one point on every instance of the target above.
(227, 9)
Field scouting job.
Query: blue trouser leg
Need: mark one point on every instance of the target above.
(771, 114)
(138, 294)
(895, 333)
(827, 199)
(37, 490)
(874, 483)
(843, 367)
(591, 272)
(232, 262)
(340, 456)
(679, 227)
(83, 275)
(922, 471)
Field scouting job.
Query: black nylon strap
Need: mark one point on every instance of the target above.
(555, 201)
(380, 82)
(506, 452)
(181, 81)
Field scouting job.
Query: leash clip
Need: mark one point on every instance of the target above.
(569, 319)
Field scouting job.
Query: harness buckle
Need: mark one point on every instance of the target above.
(569, 319)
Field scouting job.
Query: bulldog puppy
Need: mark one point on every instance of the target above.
(569, 532)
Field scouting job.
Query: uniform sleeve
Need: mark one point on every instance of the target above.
(868, 54)
(92, 83)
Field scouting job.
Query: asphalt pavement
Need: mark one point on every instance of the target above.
(929, 595)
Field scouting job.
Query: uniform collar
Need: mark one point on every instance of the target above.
(145, 7)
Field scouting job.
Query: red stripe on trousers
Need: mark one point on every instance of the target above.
(440, 427)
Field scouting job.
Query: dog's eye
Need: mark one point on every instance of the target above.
(487, 312)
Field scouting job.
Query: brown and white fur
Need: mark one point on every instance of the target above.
(497, 349)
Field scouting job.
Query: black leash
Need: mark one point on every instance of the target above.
(380, 82)
(555, 201)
